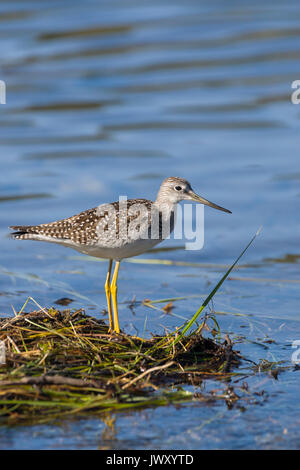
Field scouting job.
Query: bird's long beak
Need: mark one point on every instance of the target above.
(194, 197)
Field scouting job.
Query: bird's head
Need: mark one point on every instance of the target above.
(175, 189)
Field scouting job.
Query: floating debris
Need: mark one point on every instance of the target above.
(64, 301)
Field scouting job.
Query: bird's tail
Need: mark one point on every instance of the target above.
(23, 232)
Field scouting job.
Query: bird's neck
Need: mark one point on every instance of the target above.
(165, 207)
(165, 215)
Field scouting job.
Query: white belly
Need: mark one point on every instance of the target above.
(118, 252)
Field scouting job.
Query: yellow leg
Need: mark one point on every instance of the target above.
(113, 288)
(108, 297)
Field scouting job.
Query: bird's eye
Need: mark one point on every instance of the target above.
(178, 188)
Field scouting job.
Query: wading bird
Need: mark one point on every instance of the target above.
(118, 230)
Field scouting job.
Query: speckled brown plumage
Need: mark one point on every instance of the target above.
(79, 228)
(83, 228)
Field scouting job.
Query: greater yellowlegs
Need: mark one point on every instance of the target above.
(118, 230)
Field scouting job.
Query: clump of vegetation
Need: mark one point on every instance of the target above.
(63, 362)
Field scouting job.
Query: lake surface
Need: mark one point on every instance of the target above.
(107, 98)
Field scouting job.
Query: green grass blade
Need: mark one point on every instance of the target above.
(210, 296)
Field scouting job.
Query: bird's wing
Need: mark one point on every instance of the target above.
(85, 227)
(79, 228)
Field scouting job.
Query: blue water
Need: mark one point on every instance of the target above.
(107, 98)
